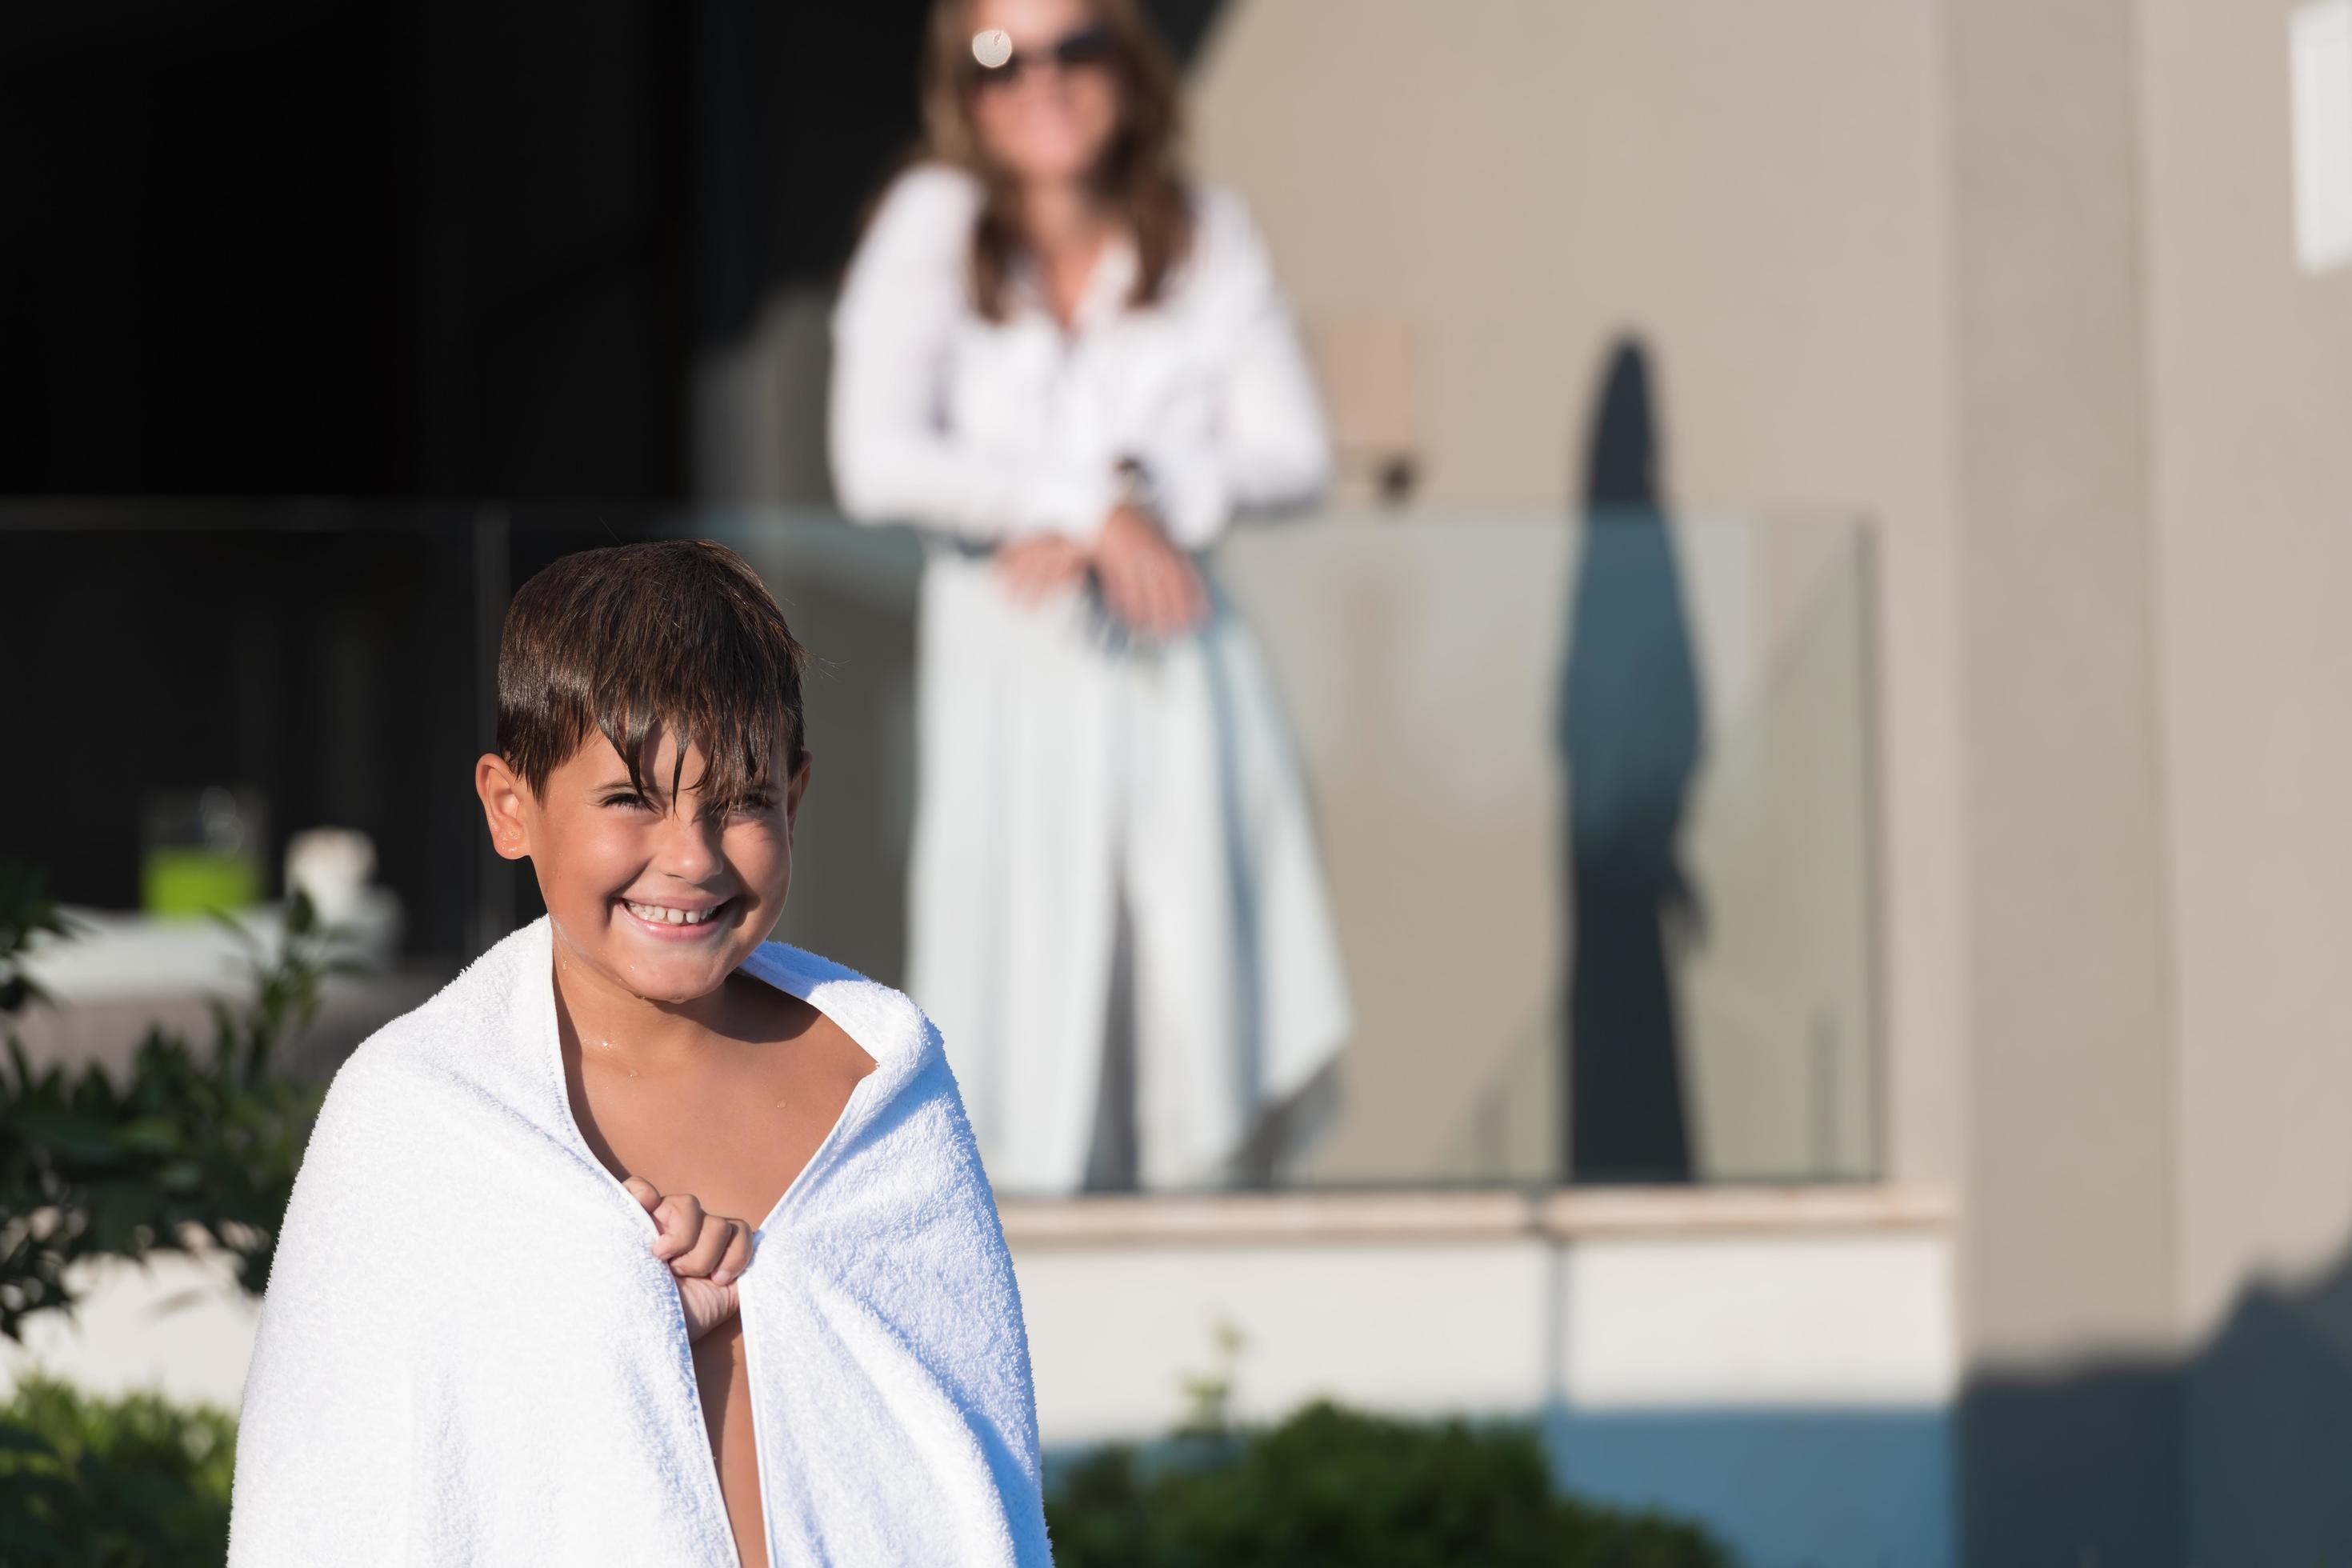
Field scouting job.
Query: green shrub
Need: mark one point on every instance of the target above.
(189, 1149)
(135, 1482)
(192, 1148)
(1333, 1487)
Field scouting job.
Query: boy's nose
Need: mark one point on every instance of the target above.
(688, 847)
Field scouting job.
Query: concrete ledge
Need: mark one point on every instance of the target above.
(1467, 1214)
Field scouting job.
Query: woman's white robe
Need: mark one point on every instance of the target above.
(1066, 771)
(469, 1354)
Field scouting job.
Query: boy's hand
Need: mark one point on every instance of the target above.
(706, 1252)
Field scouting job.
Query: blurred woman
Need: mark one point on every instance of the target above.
(1072, 369)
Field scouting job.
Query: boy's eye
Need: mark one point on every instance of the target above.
(626, 797)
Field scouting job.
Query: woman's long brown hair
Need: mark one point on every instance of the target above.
(1140, 177)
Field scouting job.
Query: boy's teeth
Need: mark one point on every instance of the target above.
(662, 916)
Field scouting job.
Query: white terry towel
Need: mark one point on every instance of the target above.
(468, 1352)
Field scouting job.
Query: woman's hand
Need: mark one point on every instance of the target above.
(1147, 582)
(1037, 567)
(706, 1252)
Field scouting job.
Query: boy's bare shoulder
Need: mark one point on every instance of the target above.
(876, 1015)
(775, 1016)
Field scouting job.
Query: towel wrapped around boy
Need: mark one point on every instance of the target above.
(469, 1354)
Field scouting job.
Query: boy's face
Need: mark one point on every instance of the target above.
(661, 896)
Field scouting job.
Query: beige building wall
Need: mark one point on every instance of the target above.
(2067, 1212)
(2015, 281)
(1762, 193)
(2250, 371)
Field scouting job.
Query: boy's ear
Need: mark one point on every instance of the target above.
(502, 793)
(798, 787)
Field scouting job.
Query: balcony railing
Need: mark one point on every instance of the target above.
(1496, 715)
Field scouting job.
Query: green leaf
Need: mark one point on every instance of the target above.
(148, 1135)
(16, 1440)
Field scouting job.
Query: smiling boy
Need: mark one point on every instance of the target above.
(640, 1075)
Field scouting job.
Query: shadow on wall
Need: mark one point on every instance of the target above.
(2237, 1454)
(1782, 1486)
(1629, 735)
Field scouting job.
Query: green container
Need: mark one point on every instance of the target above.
(191, 881)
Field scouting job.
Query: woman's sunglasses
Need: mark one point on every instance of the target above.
(1087, 48)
